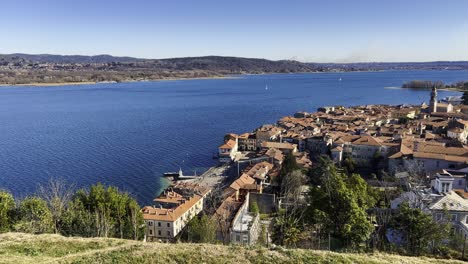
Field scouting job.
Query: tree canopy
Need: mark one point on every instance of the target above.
(7, 210)
(339, 203)
(418, 229)
(100, 211)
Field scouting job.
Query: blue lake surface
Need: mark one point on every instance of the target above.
(128, 134)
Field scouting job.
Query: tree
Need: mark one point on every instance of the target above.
(135, 220)
(263, 236)
(418, 229)
(287, 230)
(202, 229)
(349, 164)
(7, 209)
(57, 194)
(288, 225)
(291, 185)
(289, 165)
(339, 203)
(78, 219)
(118, 204)
(34, 216)
(376, 160)
(366, 196)
(465, 97)
(254, 208)
(103, 212)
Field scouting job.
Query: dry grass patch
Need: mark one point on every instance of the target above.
(25, 248)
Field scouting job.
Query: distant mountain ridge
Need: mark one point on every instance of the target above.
(51, 58)
(54, 69)
(382, 66)
(216, 62)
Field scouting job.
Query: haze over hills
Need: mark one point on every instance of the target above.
(45, 68)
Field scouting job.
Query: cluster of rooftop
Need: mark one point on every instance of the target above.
(402, 141)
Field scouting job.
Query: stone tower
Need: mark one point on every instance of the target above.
(433, 103)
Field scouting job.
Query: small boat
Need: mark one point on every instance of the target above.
(266, 87)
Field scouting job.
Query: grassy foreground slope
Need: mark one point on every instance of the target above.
(26, 248)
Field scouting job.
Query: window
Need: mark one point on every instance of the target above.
(150, 223)
(453, 217)
(151, 232)
(159, 223)
(168, 224)
(237, 237)
(460, 182)
(159, 232)
(437, 163)
(168, 233)
(439, 216)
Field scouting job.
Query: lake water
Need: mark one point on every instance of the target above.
(128, 134)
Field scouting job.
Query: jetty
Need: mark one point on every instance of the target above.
(179, 176)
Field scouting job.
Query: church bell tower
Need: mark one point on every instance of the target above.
(433, 103)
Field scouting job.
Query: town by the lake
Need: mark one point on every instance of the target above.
(229, 132)
(415, 154)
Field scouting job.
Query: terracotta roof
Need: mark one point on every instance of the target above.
(367, 140)
(228, 144)
(442, 150)
(461, 121)
(405, 150)
(425, 155)
(396, 155)
(259, 170)
(275, 153)
(278, 145)
(456, 130)
(226, 212)
(169, 197)
(241, 181)
(337, 149)
(185, 203)
(246, 136)
(462, 193)
(162, 214)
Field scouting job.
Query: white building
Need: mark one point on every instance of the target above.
(440, 201)
(227, 152)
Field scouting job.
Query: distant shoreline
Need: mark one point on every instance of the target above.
(113, 82)
(233, 76)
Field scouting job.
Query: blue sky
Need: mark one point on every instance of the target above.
(315, 31)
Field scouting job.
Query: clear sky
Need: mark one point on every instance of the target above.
(313, 31)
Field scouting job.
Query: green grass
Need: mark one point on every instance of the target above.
(25, 248)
